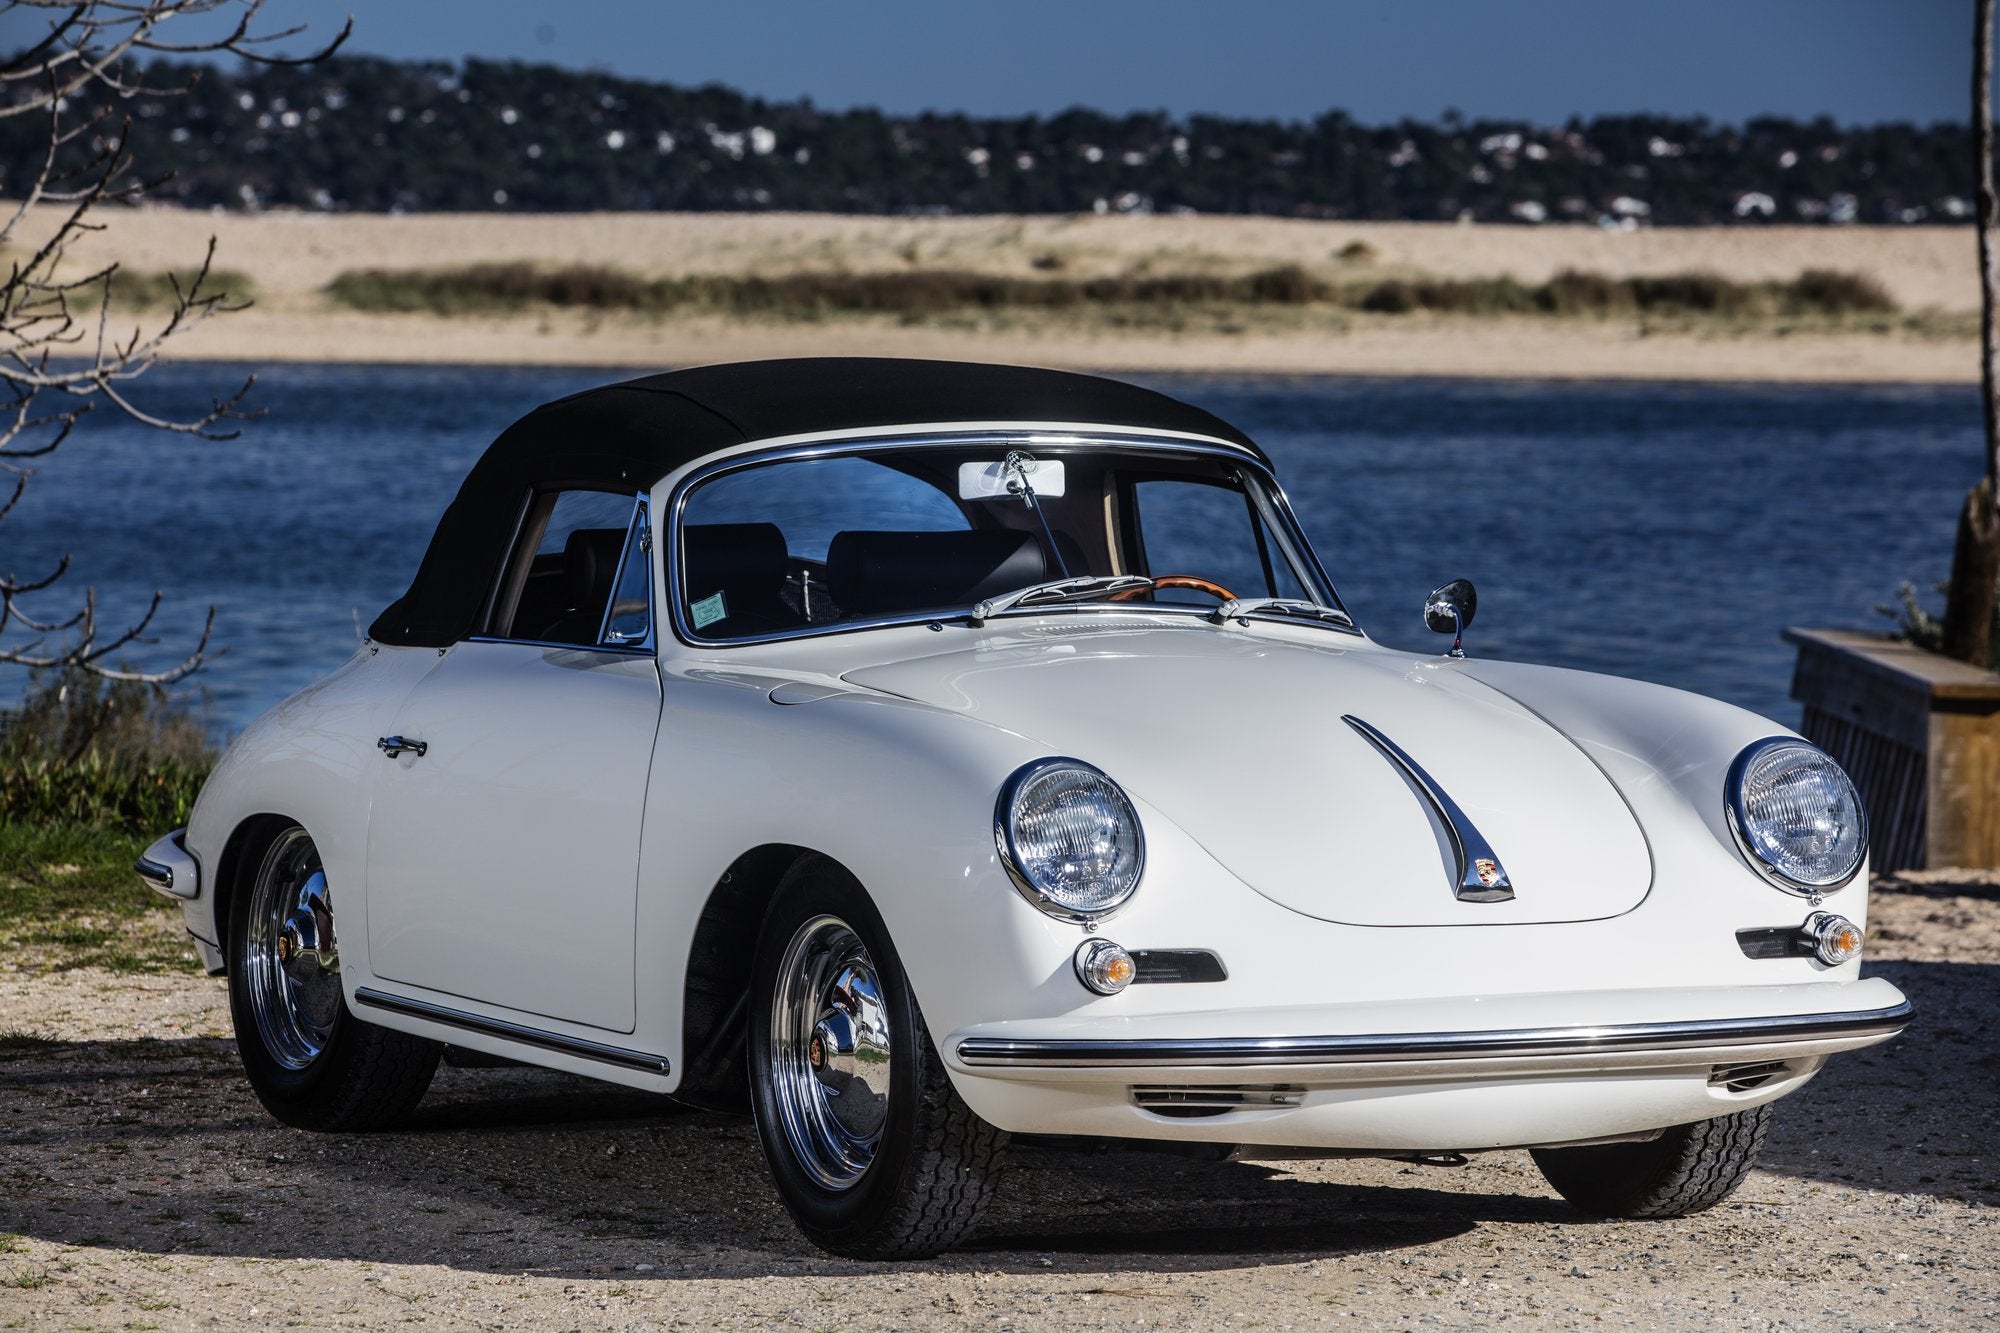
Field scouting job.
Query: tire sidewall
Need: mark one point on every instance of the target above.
(832, 1217)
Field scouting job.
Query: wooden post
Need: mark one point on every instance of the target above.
(1989, 279)
(1975, 558)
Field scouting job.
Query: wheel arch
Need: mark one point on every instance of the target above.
(240, 855)
(716, 989)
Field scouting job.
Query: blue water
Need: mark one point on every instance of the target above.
(1661, 531)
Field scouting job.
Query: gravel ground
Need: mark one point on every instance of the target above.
(141, 1186)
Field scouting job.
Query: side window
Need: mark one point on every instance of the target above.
(819, 541)
(577, 549)
(1211, 531)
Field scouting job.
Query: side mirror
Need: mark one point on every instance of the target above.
(1449, 610)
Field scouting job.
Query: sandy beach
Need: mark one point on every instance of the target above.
(291, 257)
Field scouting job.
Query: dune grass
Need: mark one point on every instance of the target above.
(140, 289)
(1149, 299)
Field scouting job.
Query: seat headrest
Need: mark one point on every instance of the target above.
(590, 563)
(880, 573)
(733, 556)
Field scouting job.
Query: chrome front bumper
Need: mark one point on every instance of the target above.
(1412, 1075)
(1850, 1028)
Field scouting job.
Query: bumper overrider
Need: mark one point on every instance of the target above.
(1403, 1077)
(166, 867)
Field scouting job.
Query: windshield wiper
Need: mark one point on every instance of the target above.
(1060, 590)
(1282, 606)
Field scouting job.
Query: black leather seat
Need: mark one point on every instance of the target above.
(590, 567)
(883, 573)
(746, 563)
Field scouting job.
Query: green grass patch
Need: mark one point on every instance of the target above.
(69, 899)
(1142, 299)
(91, 772)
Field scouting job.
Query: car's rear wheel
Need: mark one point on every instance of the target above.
(873, 1152)
(1685, 1170)
(311, 1062)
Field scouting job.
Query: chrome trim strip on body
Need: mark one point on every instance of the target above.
(1478, 877)
(1062, 1053)
(527, 1036)
(620, 650)
(1286, 529)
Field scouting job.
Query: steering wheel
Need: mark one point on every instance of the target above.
(1209, 586)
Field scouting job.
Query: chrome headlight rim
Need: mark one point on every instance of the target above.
(1739, 823)
(1003, 840)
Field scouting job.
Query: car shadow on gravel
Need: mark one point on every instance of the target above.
(159, 1147)
(1912, 1116)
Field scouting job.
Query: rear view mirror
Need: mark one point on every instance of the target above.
(1449, 610)
(989, 481)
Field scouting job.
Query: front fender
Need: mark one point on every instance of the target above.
(902, 795)
(311, 759)
(1668, 752)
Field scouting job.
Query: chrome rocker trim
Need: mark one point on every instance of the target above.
(1694, 1034)
(527, 1036)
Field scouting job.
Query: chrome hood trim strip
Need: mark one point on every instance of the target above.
(1407, 1046)
(527, 1036)
(1478, 877)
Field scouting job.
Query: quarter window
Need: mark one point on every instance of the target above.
(579, 573)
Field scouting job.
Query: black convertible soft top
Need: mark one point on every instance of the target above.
(636, 432)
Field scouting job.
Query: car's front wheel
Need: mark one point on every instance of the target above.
(873, 1152)
(1686, 1169)
(311, 1062)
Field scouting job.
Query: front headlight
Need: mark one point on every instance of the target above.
(1797, 816)
(1069, 838)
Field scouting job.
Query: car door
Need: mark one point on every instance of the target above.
(503, 846)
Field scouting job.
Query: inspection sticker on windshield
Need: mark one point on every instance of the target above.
(707, 611)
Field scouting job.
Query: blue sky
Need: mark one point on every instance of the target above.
(1858, 61)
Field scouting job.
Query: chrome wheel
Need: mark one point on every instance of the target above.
(291, 962)
(830, 1044)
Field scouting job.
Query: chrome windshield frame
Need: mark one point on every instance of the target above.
(1272, 504)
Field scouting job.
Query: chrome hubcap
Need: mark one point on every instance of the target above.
(291, 960)
(830, 1042)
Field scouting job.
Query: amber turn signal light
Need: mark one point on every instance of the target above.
(1104, 967)
(1834, 939)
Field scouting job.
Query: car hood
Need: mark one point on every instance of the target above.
(1238, 736)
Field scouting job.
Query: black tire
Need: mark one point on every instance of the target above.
(917, 1183)
(311, 1062)
(1687, 1169)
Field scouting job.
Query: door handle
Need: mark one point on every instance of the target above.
(395, 745)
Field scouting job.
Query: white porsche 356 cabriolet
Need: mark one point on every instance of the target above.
(923, 753)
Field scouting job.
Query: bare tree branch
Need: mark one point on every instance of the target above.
(60, 354)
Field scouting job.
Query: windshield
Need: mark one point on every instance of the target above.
(900, 532)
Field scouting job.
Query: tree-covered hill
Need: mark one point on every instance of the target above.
(369, 134)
